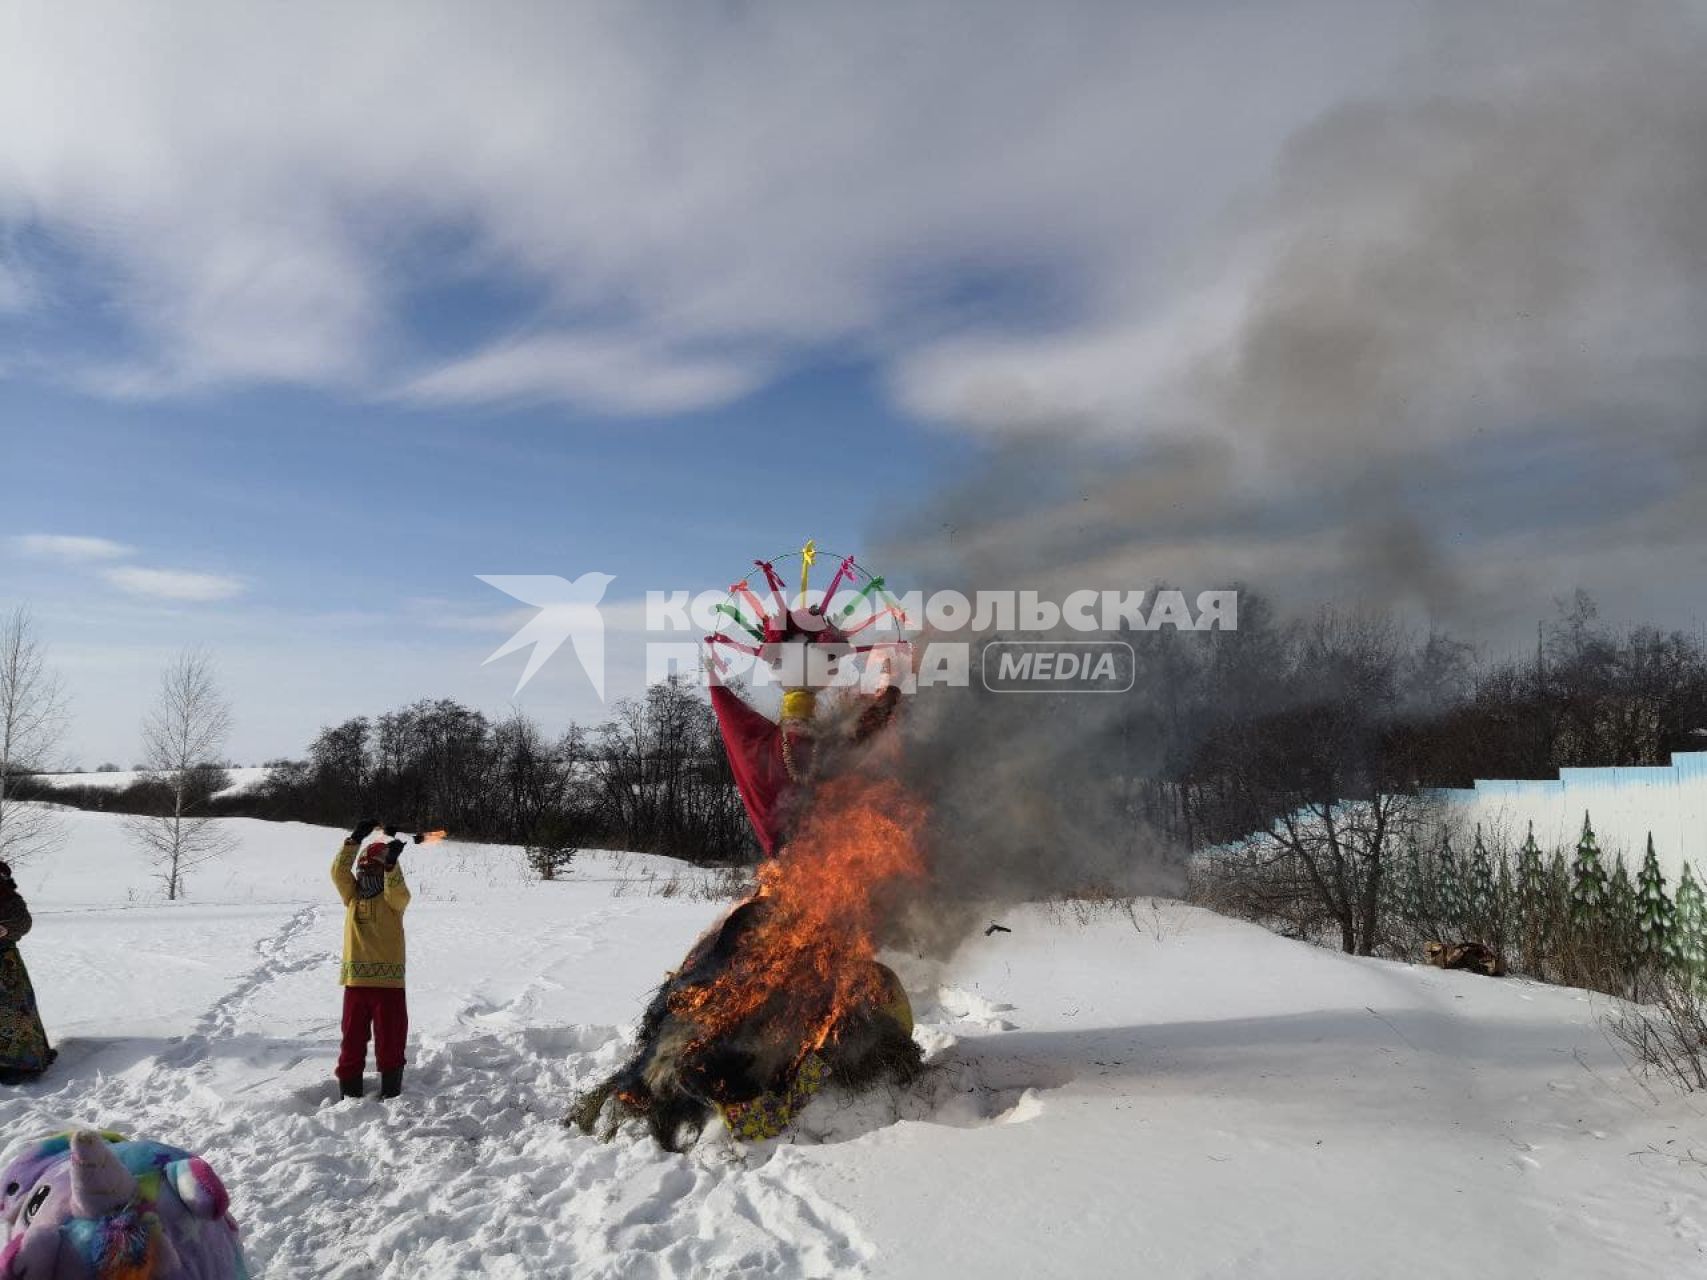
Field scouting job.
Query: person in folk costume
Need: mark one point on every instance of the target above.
(375, 897)
(24, 1050)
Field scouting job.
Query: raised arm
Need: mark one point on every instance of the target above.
(396, 887)
(342, 876)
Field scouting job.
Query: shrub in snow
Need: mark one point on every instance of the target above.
(553, 847)
(1668, 1035)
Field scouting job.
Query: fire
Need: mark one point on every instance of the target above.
(433, 837)
(810, 960)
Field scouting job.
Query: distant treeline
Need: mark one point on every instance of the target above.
(1228, 730)
(1306, 751)
(653, 777)
(1223, 733)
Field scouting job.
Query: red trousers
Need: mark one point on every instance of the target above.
(385, 1011)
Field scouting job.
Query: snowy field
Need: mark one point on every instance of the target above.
(1180, 1096)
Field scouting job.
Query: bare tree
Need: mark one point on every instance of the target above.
(1314, 780)
(32, 720)
(181, 741)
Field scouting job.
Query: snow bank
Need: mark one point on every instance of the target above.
(1187, 1097)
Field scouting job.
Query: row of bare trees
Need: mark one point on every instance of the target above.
(183, 734)
(652, 777)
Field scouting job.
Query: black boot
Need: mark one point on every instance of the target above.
(391, 1083)
(351, 1088)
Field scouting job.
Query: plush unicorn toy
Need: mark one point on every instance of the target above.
(96, 1206)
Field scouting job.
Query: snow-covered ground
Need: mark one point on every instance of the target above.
(1178, 1095)
(238, 780)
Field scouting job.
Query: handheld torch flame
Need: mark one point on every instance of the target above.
(431, 837)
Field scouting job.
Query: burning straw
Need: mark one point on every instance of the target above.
(786, 990)
(811, 959)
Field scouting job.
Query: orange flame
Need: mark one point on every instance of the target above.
(433, 837)
(810, 959)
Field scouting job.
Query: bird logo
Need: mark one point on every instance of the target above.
(567, 611)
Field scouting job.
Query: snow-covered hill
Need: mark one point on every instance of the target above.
(1187, 1096)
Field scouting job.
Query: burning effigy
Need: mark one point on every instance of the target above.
(786, 994)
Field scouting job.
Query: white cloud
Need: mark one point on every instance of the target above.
(608, 373)
(175, 584)
(69, 547)
(1403, 280)
(695, 194)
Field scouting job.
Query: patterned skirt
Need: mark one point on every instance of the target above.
(24, 1049)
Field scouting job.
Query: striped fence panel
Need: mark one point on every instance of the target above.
(1625, 805)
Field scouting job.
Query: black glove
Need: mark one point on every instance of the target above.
(393, 851)
(418, 837)
(359, 832)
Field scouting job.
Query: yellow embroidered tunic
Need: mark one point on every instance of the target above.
(373, 927)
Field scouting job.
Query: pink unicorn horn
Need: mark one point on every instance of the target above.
(100, 1185)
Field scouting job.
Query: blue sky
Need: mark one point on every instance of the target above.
(311, 313)
(349, 535)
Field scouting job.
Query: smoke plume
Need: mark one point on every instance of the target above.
(1449, 357)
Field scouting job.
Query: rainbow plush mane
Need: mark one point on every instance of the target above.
(84, 1205)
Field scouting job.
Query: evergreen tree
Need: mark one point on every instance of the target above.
(1558, 908)
(1655, 916)
(1479, 890)
(1531, 882)
(1505, 902)
(1448, 890)
(1414, 905)
(1588, 879)
(1532, 904)
(1688, 949)
(1393, 885)
(1619, 916)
